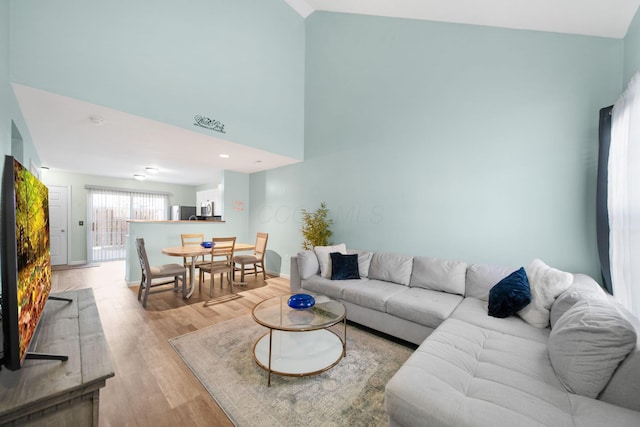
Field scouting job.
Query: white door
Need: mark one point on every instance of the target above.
(58, 221)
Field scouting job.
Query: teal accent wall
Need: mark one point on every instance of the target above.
(240, 62)
(632, 50)
(452, 141)
(5, 91)
(11, 119)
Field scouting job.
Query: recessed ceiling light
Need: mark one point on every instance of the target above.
(224, 156)
(152, 171)
(139, 177)
(258, 161)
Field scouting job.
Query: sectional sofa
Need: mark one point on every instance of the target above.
(574, 362)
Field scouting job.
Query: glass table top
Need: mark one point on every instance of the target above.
(275, 313)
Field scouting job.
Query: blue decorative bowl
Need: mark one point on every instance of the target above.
(301, 301)
(206, 245)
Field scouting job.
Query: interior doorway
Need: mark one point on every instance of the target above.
(59, 224)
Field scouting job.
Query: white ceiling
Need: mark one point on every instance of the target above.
(123, 145)
(67, 140)
(605, 18)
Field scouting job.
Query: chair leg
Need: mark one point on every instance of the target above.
(146, 293)
(140, 288)
(242, 273)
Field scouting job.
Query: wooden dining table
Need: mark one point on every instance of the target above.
(193, 252)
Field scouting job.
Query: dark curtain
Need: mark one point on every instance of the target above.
(602, 216)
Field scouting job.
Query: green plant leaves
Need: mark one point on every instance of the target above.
(315, 227)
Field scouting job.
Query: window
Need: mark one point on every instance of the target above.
(109, 211)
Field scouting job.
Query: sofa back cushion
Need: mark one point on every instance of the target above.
(587, 345)
(391, 267)
(308, 264)
(438, 275)
(482, 277)
(364, 260)
(582, 287)
(324, 259)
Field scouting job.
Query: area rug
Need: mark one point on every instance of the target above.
(351, 393)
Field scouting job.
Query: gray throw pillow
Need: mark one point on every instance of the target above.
(587, 344)
(308, 264)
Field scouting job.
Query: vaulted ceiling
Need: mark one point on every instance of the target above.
(61, 125)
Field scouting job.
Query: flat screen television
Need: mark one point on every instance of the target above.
(26, 259)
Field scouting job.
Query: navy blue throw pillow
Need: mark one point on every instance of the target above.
(510, 295)
(344, 267)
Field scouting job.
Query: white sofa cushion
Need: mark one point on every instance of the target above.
(391, 267)
(331, 288)
(322, 252)
(438, 274)
(474, 310)
(307, 264)
(482, 277)
(587, 344)
(371, 293)
(546, 285)
(423, 306)
(466, 376)
(364, 261)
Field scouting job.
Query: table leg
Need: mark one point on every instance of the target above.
(270, 344)
(344, 344)
(188, 294)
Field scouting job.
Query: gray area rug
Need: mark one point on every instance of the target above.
(349, 394)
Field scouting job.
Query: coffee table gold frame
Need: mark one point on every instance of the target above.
(299, 342)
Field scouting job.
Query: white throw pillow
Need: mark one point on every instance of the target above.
(587, 344)
(546, 285)
(322, 252)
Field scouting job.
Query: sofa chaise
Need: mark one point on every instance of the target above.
(575, 361)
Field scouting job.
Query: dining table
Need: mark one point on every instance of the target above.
(193, 252)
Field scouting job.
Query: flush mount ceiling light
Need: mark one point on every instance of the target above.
(152, 171)
(224, 156)
(139, 177)
(98, 121)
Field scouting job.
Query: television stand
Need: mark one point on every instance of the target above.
(45, 392)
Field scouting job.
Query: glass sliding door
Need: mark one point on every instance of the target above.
(109, 212)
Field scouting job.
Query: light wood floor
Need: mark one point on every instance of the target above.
(152, 386)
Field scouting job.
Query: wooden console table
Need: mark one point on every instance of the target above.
(50, 392)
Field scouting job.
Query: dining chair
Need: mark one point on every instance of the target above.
(221, 262)
(151, 272)
(193, 239)
(256, 260)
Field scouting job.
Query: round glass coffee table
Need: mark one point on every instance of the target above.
(299, 342)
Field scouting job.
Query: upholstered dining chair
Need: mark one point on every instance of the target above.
(151, 272)
(256, 261)
(221, 262)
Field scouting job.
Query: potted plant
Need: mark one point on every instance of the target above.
(315, 227)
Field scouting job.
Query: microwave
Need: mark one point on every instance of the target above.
(206, 209)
